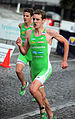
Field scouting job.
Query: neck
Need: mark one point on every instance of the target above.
(28, 24)
(38, 31)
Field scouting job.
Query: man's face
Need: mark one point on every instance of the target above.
(27, 17)
(37, 21)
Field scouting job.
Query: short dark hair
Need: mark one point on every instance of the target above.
(30, 10)
(40, 12)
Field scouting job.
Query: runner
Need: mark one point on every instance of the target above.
(40, 41)
(22, 60)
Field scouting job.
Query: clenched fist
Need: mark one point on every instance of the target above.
(64, 64)
(19, 41)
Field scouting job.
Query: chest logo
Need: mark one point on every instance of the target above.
(34, 52)
(32, 42)
(41, 38)
(23, 32)
(33, 39)
(41, 42)
(40, 52)
(23, 28)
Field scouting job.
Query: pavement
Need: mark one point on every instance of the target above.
(59, 88)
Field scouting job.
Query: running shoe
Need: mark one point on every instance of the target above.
(23, 89)
(43, 115)
(34, 100)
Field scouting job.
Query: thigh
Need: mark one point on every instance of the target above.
(22, 59)
(19, 67)
(44, 75)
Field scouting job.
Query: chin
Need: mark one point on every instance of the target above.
(25, 21)
(35, 27)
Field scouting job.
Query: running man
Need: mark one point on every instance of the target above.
(22, 60)
(40, 41)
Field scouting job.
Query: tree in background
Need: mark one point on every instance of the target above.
(68, 6)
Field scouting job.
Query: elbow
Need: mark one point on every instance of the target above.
(24, 53)
(66, 44)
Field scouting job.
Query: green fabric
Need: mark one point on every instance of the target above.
(39, 50)
(49, 73)
(34, 100)
(24, 59)
(23, 30)
(22, 34)
(23, 89)
(43, 115)
(54, 117)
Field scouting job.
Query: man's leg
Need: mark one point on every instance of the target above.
(46, 103)
(19, 68)
(34, 90)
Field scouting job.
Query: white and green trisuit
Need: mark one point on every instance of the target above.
(41, 68)
(28, 57)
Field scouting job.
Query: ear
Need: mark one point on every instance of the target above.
(43, 21)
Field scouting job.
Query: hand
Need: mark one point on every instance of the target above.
(19, 41)
(64, 64)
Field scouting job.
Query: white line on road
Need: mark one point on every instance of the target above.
(33, 113)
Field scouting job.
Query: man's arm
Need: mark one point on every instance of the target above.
(60, 38)
(66, 50)
(23, 49)
(20, 25)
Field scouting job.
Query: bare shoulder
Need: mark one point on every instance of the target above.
(53, 33)
(50, 31)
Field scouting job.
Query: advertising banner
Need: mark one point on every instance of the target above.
(9, 29)
(4, 49)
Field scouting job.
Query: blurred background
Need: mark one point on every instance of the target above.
(60, 89)
(65, 8)
(60, 15)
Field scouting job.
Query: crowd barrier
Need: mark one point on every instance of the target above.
(68, 31)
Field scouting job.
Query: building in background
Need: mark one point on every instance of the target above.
(65, 10)
(47, 5)
(51, 7)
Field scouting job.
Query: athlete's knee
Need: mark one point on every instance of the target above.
(32, 90)
(18, 70)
